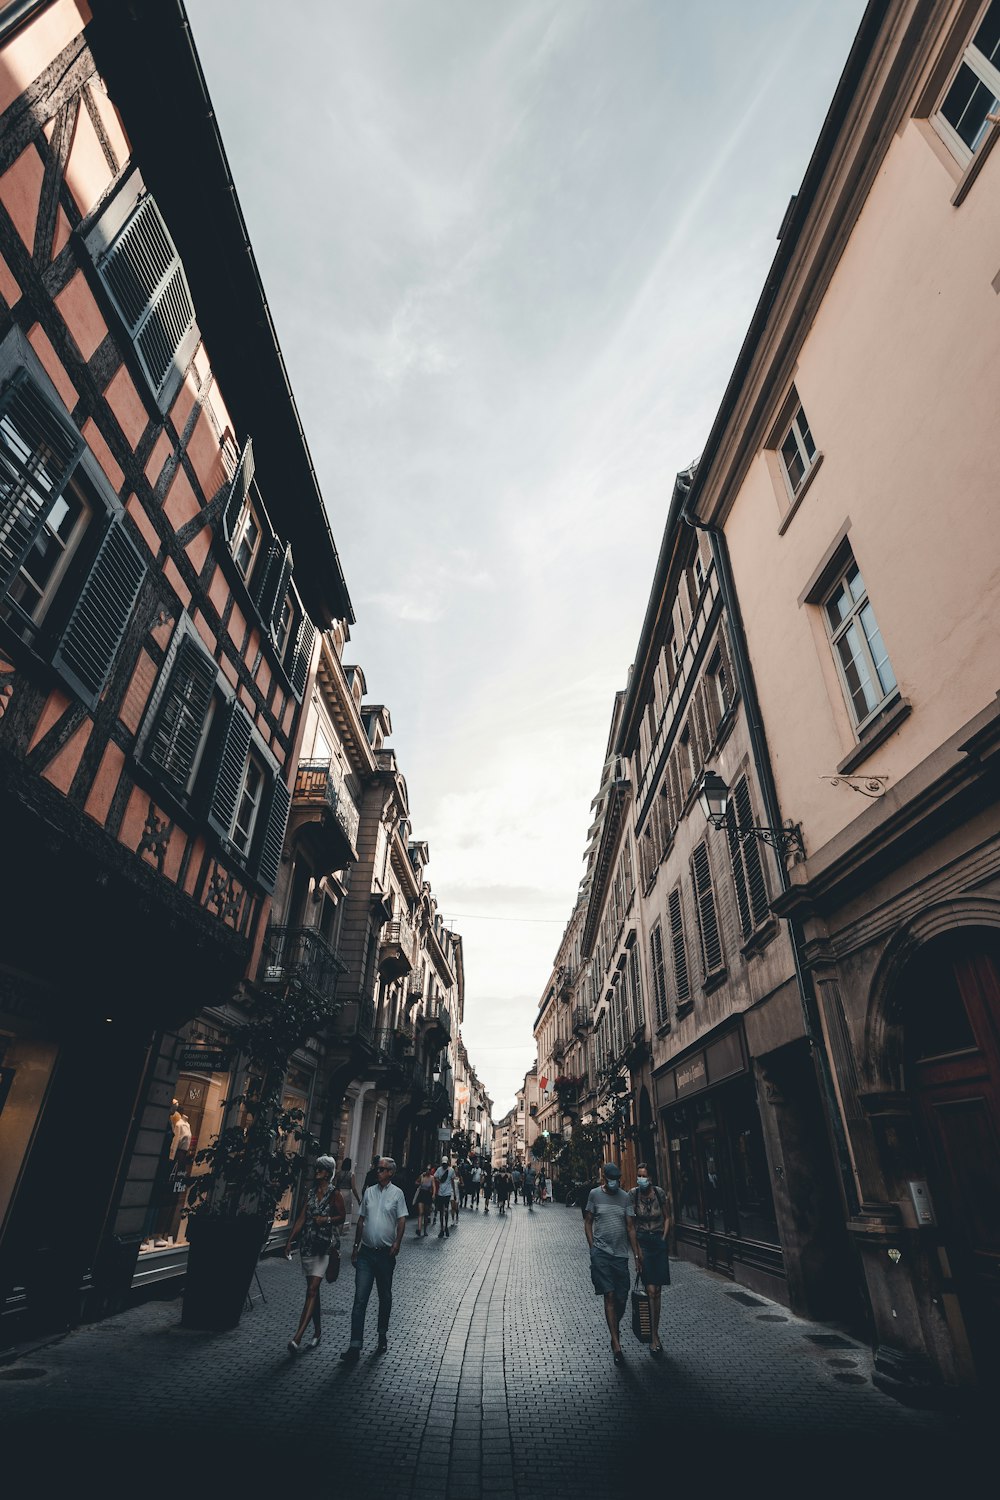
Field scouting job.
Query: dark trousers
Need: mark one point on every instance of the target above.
(374, 1268)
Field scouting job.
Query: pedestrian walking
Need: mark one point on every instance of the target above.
(515, 1178)
(543, 1188)
(528, 1186)
(445, 1193)
(348, 1190)
(652, 1230)
(502, 1184)
(464, 1170)
(476, 1185)
(371, 1176)
(487, 1186)
(424, 1201)
(320, 1216)
(609, 1224)
(377, 1238)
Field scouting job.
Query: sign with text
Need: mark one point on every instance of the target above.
(201, 1059)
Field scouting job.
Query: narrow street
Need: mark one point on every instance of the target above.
(497, 1382)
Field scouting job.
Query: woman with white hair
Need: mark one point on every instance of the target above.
(321, 1214)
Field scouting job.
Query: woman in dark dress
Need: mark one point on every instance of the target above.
(652, 1229)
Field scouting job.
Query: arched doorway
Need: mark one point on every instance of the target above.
(950, 994)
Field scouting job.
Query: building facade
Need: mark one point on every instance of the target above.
(850, 491)
(164, 559)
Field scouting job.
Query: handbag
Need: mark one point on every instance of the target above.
(333, 1267)
(642, 1313)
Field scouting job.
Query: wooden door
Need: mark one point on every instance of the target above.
(953, 1050)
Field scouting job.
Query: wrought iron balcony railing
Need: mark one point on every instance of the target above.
(560, 1047)
(300, 955)
(321, 781)
(581, 1019)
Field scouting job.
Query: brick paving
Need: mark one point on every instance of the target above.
(498, 1382)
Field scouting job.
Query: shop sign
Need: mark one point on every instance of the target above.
(444, 1135)
(691, 1076)
(201, 1059)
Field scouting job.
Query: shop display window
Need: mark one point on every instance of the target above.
(194, 1122)
(751, 1178)
(685, 1180)
(25, 1070)
(295, 1096)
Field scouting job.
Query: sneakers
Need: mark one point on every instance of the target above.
(351, 1356)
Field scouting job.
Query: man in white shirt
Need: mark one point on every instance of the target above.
(377, 1238)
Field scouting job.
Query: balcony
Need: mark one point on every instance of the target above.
(395, 953)
(581, 1019)
(355, 1024)
(298, 955)
(567, 979)
(560, 1047)
(326, 818)
(437, 1027)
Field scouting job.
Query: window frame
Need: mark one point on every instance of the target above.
(791, 427)
(986, 73)
(834, 585)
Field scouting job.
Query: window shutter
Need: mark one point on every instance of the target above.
(274, 838)
(274, 581)
(180, 724)
(303, 655)
(712, 709)
(739, 878)
(674, 772)
(682, 982)
(638, 1009)
(725, 652)
(238, 491)
(659, 984)
(708, 921)
(144, 274)
(760, 905)
(229, 770)
(38, 453)
(102, 613)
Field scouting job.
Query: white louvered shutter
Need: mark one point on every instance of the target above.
(101, 614)
(144, 275)
(303, 655)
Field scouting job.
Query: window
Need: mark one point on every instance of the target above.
(708, 920)
(181, 716)
(866, 673)
(51, 511)
(973, 93)
(796, 451)
(659, 982)
(248, 805)
(246, 543)
(143, 273)
(752, 900)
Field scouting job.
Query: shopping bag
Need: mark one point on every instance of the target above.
(642, 1314)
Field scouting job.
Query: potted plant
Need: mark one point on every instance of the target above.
(250, 1166)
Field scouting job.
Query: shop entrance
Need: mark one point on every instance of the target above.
(951, 1016)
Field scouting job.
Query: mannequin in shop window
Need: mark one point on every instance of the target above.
(179, 1155)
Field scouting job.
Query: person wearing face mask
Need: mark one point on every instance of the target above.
(652, 1229)
(609, 1224)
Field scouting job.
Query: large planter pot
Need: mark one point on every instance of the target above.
(221, 1263)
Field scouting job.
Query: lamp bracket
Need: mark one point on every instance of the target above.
(867, 786)
(786, 840)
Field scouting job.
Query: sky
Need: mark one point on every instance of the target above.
(511, 249)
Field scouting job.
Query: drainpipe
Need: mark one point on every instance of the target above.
(769, 791)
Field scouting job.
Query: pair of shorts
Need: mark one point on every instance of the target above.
(425, 1196)
(655, 1265)
(609, 1273)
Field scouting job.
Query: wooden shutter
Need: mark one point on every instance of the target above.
(229, 770)
(729, 679)
(708, 920)
(102, 612)
(682, 981)
(659, 982)
(638, 1009)
(238, 491)
(712, 707)
(739, 878)
(143, 272)
(274, 581)
(757, 895)
(303, 655)
(38, 453)
(274, 837)
(180, 723)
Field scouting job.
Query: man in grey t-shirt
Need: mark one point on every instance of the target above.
(609, 1224)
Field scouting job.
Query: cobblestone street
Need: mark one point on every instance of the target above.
(498, 1373)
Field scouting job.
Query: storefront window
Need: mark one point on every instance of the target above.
(754, 1204)
(195, 1121)
(685, 1181)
